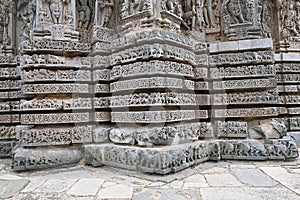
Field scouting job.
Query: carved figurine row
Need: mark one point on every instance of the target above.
(288, 67)
(55, 46)
(8, 73)
(54, 136)
(267, 97)
(245, 84)
(232, 129)
(42, 59)
(59, 75)
(8, 119)
(156, 82)
(156, 98)
(166, 135)
(288, 78)
(56, 118)
(11, 95)
(148, 160)
(10, 84)
(247, 112)
(158, 116)
(7, 132)
(243, 71)
(29, 159)
(173, 159)
(152, 67)
(54, 88)
(146, 35)
(241, 58)
(152, 51)
(56, 104)
(6, 148)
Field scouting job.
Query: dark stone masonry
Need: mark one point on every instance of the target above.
(153, 85)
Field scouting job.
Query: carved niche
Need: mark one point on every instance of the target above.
(246, 19)
(55, 19)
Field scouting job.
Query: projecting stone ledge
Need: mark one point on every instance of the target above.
(165, 160)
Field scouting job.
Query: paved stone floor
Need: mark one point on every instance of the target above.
(208, 181)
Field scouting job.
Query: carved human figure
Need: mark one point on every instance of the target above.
(4, 21)
(84, 14)
(105, 12)
(56, 9)
(28, 17)
(234, 9)
(291, 20)
(194, 13)
(168, 5)
(208, 13)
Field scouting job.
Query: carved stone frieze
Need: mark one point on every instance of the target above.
(257, 57)
(28, 159)
(155, 51)
(37, 75)
(54, 136)
(102, 116)
(149, 160)
(245, 84)
(47, 46)
(243, 71)
(268, 97)
(232, 129)
(157, 82)
(168, 135)
(56, 118)
(154, 67)
(7, 132)
(157, 98)
(7, 119)
(54, 88)
(246, 112)
(6, 149)
(158, 116)
(152, 85)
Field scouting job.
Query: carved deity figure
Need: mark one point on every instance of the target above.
(27, 16)
(105, 12)
(291, 20)
(85, 14)
(56, 8)
(234, 9)
(208, 13)
(5, 9)
(173, 6)
(194, 14)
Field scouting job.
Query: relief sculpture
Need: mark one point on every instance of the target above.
(154, 86)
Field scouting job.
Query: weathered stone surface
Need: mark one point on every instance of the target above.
(247, 193)
(254, 177)
(86, 187)
(25, 159)
(167, 194)
(10, 188)
(291, 181)
(116, 192)
(222, 180)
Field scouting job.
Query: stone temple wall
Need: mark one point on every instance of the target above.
(151, 85)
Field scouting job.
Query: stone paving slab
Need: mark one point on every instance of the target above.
(208, 181)
(291, 181)
(245, 193)
(254, 177)
(163, 194)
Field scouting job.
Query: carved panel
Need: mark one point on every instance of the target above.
(157, 116)
(157, 82)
